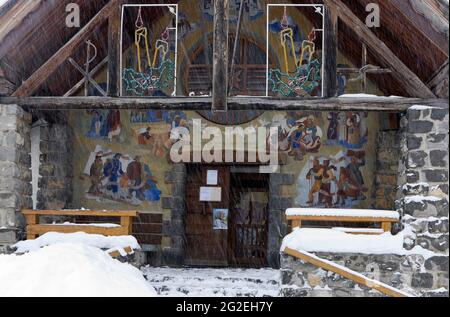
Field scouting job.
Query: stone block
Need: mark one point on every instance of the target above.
(436, 176)
(439, 158)
(420, 126)
(422, 280)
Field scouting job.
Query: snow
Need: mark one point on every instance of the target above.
(366, 96)
(322, 212)
(359, 230)
(207, 282)
(421, 198)
(100, 225)
(421, 107)
(334, 241)
(93, 240)
(70, 270)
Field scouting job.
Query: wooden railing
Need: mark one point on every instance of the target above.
(34, 228)
(347, 273)
(385, 223)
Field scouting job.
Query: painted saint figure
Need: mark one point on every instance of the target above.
(316, 175)
(113, 170)
(325, 195)
(96, 174)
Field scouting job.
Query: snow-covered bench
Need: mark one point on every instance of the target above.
(384, 217)
(34, 228)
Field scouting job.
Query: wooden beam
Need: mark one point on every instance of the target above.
(220, 55)
(114, 29)
(235, 103)
(40, 75)
(412, 84)
(439, 82)
(347, 273)
(331, 49)
(425, 17)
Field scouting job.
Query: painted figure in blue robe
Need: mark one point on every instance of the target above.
(113, 170)
(95, 128)
(151, 193)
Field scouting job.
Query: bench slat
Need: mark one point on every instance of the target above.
(97, 213)
(41, 229)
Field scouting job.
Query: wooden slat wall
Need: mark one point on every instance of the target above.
(147, 228)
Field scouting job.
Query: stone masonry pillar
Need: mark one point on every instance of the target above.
(15, 172)
(423, 191)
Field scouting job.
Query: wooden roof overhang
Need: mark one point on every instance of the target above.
(36, 43)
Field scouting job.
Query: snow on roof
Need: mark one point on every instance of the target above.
(70, 270)
(342, 213)
(93, 240)
(366, 96)
(335, 241)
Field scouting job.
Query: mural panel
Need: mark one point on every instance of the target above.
(121, 157)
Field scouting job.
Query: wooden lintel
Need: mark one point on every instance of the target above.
(386, 104)
(411, 82)
(220, 55)
(40, 75)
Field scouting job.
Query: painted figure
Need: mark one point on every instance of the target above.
(145, 136)
(332, 133)
(113, 170)
(95, 129)
(96, 174)
(113, 124)
(328, 177)
(316, 175)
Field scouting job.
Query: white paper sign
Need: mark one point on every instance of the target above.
(212, 177)
(211, 194)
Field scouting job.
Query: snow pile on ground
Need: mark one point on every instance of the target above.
(93, 240)
(70, 270)
(326, 212)
(336, 241)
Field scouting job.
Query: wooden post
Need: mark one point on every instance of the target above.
(127, 223)
(114, 28)
(31, 220)
(386, 226)
(330, 49)
(220, 55)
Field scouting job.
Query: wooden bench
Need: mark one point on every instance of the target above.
(385, 218)
(34, 228)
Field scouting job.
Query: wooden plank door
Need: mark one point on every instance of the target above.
(205, 246)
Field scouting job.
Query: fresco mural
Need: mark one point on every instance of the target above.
(333, 181)
(299, 133)
(104, 124)
(348, 129)
(120, 177)
(152, 129)
(331, 154)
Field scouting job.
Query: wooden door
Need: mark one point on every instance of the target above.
(205, 246)
(248, 220)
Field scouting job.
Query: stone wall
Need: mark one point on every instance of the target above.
(55, 183)
(15, 173)
(174, 230)
(388, 152)
(420, 183)
(423, 183)
(278, 203)
(300, 279)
